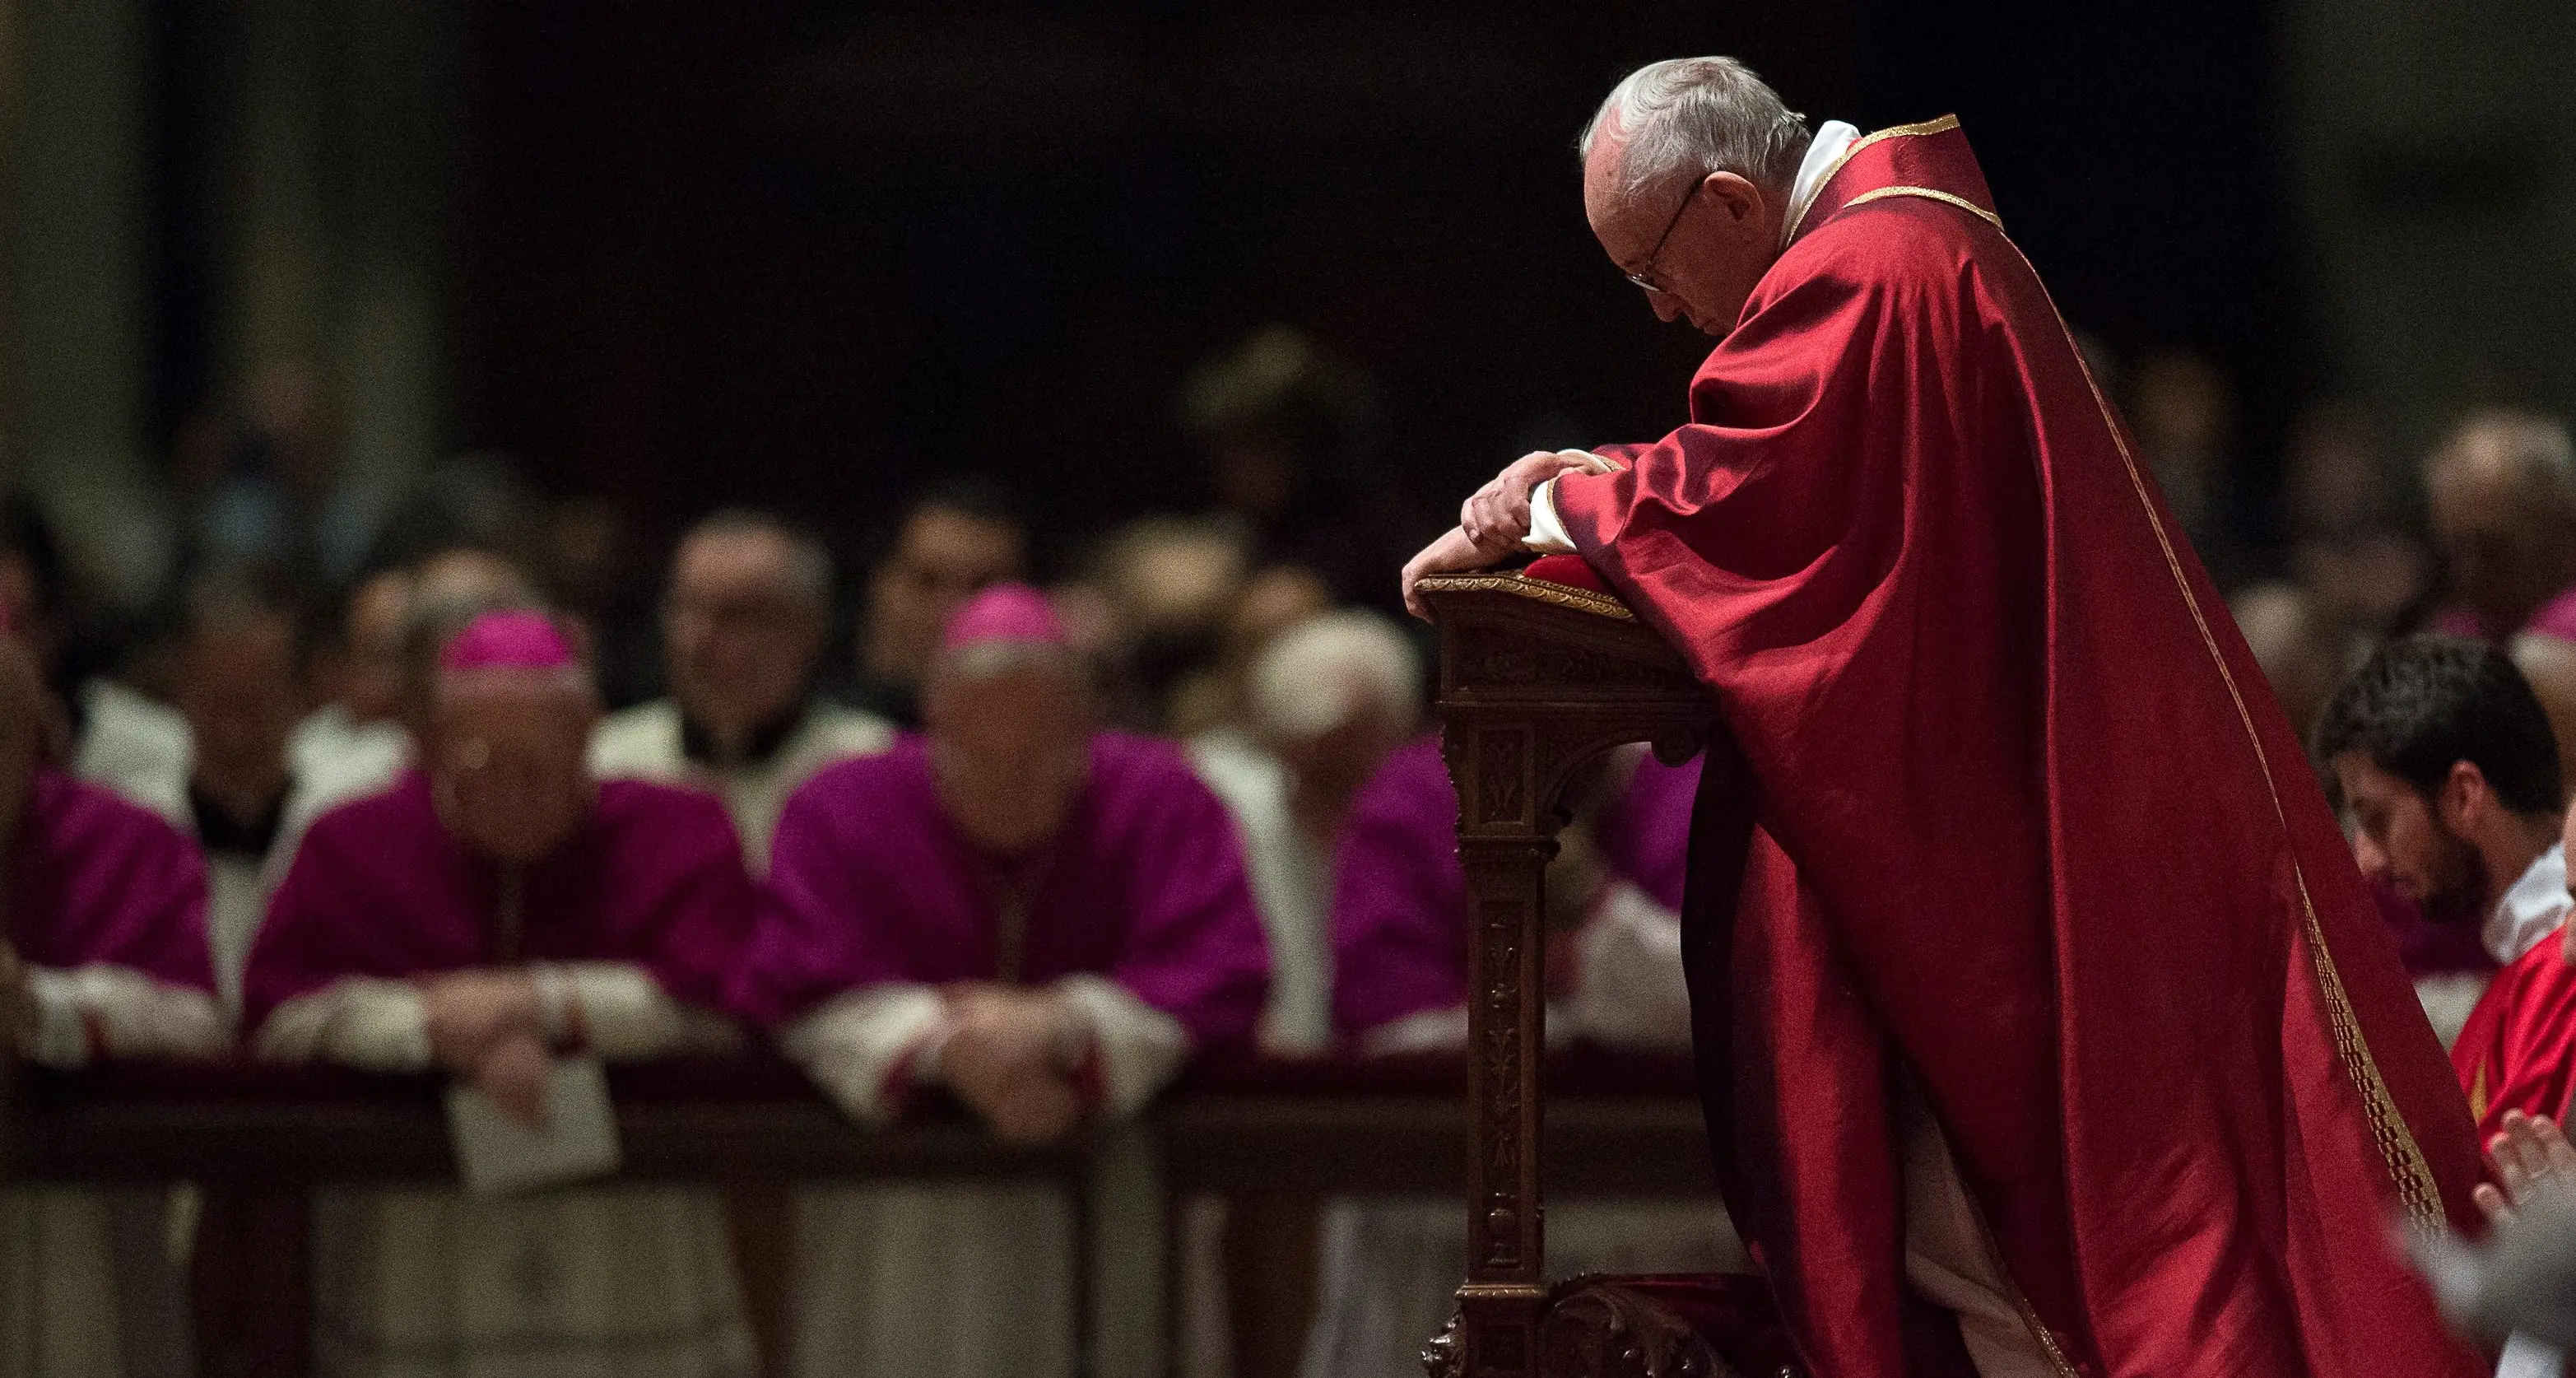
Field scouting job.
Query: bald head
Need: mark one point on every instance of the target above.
(1687, 170)
(2502, 497)
(506, 749)
(1008, 714)
(468, 575)
(2524, 453)
(1333, 669)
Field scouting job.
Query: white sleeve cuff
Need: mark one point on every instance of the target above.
(1547, 533)
(625, 1013)
(1141, 1048)
(59, 1036)
(128, 1013)
(1629, 988)
(854, 1044)
(1427, 1031)
(380, 1026)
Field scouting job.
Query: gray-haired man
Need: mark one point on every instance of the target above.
(743, 630)
(2036, 983)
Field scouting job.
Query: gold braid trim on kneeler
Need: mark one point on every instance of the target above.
(1540, 590)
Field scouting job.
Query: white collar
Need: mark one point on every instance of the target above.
(1824, 154)
(2532, 910)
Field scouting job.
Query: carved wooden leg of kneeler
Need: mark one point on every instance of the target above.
(1536, 676)
(1506, 1285)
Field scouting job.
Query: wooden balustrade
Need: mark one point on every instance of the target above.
(257, 1140)
(1535, 678)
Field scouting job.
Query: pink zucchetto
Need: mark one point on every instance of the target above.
(1004, 612)
(507, 641)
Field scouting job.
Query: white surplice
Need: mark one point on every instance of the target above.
(644, 742)
(606, 1281)
(970, 1280)
(1292, 882)
(89, 1285)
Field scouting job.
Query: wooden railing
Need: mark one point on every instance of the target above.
(1535, 678)
(257, 1140)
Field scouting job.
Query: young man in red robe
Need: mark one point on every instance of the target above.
(2448, 771)
(2033, 981)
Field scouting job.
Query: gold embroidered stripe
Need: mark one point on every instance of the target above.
(1942, 125)
(1928, 193)
(2408, 1171)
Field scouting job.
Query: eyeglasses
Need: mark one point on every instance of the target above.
(1644, 277)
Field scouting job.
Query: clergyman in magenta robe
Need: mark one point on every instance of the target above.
(1042, 919)
(106, 909)
(102, 955)
(1400, 914)
(639, 893)
(488, 913)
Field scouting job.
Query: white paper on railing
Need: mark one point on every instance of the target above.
(497, 1155)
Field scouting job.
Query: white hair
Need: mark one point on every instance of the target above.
(809, 561)
(574, 678)
(2537, 447)
(1003, 656)
(1691, 116)
(1330, 669)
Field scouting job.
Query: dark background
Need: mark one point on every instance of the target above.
(808, 253)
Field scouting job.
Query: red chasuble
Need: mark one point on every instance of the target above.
(2518, 1050)
(2024, 823)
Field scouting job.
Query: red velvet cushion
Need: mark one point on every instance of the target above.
(1568, 570)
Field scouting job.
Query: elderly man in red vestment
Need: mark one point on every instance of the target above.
(2033, 981)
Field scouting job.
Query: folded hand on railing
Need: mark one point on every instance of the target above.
(1012, 1056)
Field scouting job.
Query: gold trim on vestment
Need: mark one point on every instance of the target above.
(1523, 586)
(2403, 1158)
(1942, 125)
(1961, 202)
(2408, 1170)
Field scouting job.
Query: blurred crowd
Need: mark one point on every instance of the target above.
(1286, 515)
(974, 808)
(976, 811)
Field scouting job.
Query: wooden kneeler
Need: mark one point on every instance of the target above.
(1538, 675)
